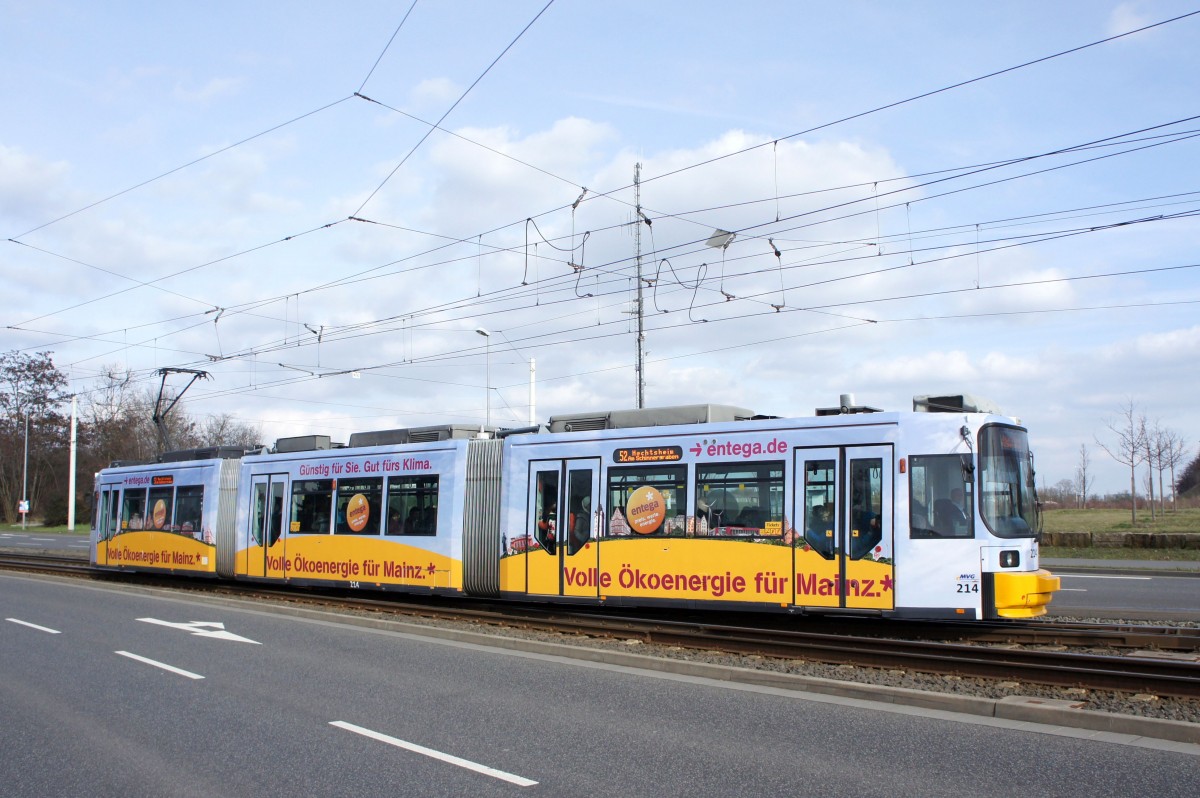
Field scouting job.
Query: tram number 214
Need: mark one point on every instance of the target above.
(967, 587)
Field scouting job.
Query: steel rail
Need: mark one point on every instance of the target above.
(901, 648)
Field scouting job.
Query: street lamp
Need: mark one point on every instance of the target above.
(488, 383)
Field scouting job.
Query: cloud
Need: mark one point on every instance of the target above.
(1168, 347)
(426, 365)
(213, 89)
(31, 189)
(434, 94)
(1126, 17)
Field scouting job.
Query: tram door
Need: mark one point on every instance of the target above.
(844, 499)
(265, 554)
(104, 522)
(563, 511)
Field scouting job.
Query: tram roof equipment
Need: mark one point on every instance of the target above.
(304, 443)
(846, 406)
(203, 453)
(649, 417)
(185, 455)
(954, 403)
(441, 432)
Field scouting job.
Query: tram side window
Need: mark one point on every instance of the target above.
(740, 499)
(133, 511)
(941, 501)
(866, 506)
(579, 509)
(412, 505)
(266, 519)
(114, 510)
(820, 506)
(647, 500)
(189, 507)
(100, 509)
(359, 505)
(160, 503)
(544, 533)
(312, 506)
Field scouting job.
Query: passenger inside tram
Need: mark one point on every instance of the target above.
(819, 531)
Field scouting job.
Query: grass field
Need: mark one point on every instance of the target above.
(1185, 520)
(1101, 553)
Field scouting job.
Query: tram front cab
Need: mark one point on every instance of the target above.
(1015, 586)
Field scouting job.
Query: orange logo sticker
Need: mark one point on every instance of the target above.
(160, 514)
(357, 512)
(646, 510)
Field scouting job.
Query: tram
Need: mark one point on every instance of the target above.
(923, 514)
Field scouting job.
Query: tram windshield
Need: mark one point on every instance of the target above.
(1007, 499)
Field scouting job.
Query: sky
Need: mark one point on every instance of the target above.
(321, 204)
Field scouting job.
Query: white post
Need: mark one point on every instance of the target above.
(25, 472)
(71, 476)
(487, 336)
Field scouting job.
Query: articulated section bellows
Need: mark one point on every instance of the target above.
(481, 519)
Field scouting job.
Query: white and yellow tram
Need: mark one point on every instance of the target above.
(924, 514)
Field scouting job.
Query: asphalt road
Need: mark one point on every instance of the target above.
(41, 541)
(109, 690)
(1127, 589)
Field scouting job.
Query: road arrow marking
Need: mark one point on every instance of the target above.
(203, 629)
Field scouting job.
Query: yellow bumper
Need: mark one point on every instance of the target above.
(1024, 595)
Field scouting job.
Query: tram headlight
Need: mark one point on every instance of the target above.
(1010, 558)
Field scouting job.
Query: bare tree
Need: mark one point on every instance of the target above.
(118, 421)
(225, 430)
(32, 430)
(1189, 478)
(1062, 492)
(1173, 452)
(1082, 477)
(1150, 435)
(1130, 447)
(107, 416)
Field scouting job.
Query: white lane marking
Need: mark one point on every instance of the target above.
(162, 665)
(45, 540)
(34, 626)
(1072, 590)
(520, 781)
(1096, 576)
(214, 629)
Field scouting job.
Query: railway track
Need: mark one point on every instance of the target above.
(1158, 660)
(46, 563)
